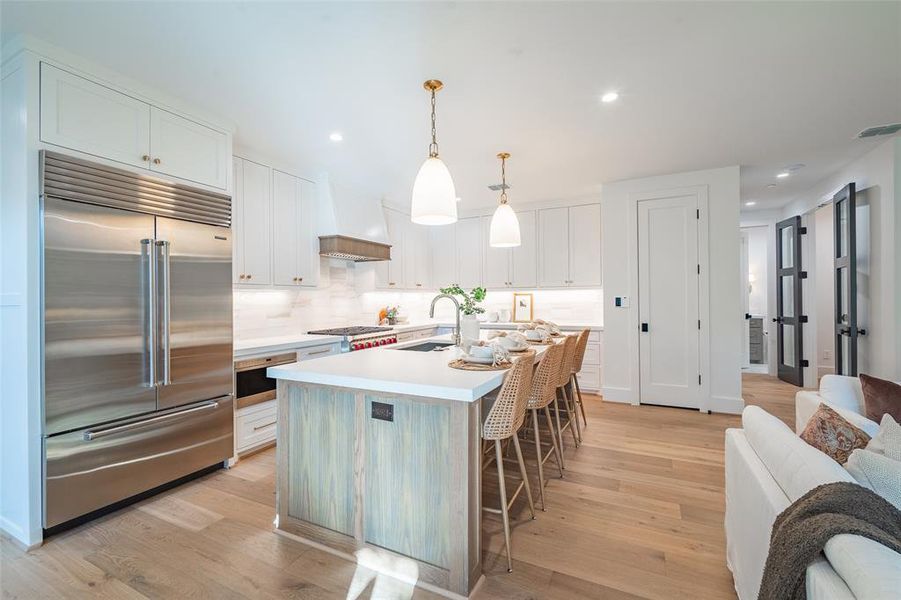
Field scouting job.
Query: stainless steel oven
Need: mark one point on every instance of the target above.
(252, 386)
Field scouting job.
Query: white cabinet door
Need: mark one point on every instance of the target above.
(390, 274)
(417, 257)
(524, 258)
(469, 252)
(553, 247)
(443, 247)
(182, 148)
(256, 223)
(495, 261)
(238, 222)
(285, 223)
(307, 240)
(585, 245)
(88, 117)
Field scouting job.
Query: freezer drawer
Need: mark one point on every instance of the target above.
(92, 468)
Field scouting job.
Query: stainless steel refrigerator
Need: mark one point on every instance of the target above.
(137, 334)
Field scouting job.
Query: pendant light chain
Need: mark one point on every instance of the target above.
(503, 179)
(433, 147)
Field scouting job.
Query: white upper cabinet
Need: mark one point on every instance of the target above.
(252, 217)
(495, 261)
(569, 246)
(585, 245)
(553, 247)
(391, 274)
(469, 252)
(182, 148)
(416, 261)
(82, 115)
(295, 256)
(524, 258)
(443, 246)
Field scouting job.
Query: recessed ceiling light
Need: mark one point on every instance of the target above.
(750, 203)
(609, 97)
(783, 174)
(336, 136)
(771, 185)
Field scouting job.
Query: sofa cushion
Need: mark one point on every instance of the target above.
(870, 570)
(887, 440)
(880, 397)
(878, 473)
(843, 392)
(796, 466)
(832, 434)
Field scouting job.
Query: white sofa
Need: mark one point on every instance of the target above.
(767, 468)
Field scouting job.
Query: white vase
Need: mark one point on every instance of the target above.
(469, 328)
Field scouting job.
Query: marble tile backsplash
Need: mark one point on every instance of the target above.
(343, 298)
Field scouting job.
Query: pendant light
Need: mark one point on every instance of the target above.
(504, 230)
(434, 197)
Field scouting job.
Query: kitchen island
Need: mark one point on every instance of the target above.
(380, 449)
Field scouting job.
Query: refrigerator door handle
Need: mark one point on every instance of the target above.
(100, 433)
(165, 290)
(148, 257)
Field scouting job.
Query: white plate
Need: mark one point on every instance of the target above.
(479, 360)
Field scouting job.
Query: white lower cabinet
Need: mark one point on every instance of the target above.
(255, 425)
(590, 375)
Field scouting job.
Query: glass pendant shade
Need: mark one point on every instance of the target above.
(504, 230)
(434, 197)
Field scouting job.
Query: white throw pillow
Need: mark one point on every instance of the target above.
(876, 472)
(872, 571)
(887, 440)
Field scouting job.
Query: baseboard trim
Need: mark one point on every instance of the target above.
(727, 405)
(617, 394)
(17, 536)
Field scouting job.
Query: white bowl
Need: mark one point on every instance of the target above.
(481, 351)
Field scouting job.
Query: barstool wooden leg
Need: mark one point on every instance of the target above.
(569, 416)
(524, 474)
(558, 451)
(559, 428)
(581, 403)
(571, 399)
(539, 454)
(503, 491)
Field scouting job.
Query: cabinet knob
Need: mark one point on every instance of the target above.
(145, 158)
(241, 276)
(248, 277)
(418, 285)
(390, 283)
(299, 279)
(156, 161)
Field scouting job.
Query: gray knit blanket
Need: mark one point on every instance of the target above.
(800, 533)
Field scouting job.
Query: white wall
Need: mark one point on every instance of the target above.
(619, 247)
(877, 175)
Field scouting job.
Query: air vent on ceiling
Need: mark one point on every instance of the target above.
(498, 187)
(880, 130)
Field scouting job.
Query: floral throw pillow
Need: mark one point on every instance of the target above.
(832, 434)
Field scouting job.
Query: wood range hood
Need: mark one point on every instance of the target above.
(351, 224)
(355, 249)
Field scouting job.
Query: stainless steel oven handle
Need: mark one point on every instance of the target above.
(99, 433)
(148, 255)
(165, 292)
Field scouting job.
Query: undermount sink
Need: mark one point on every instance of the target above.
(428, 346)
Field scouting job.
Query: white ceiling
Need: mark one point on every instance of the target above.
(762, 85)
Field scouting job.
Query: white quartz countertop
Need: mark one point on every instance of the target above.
(393, 370)
(279, 343)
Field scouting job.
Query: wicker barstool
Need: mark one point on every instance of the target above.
(563, 377)
(575, 390)
(502, 423)
(544, 386)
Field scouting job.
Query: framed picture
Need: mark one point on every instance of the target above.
(522, 308)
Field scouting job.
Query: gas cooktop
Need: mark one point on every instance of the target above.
(350, 331)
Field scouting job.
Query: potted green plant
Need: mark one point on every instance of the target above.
(469, 307)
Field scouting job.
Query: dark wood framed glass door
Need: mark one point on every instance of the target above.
(789, 319)
(844, 205)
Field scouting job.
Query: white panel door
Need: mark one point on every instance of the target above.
(585, 245)
(443, 246)
(495, 261)
(182, 148)
(417, 257)
(469, 252)
(238, 222)
(524, 258)
(88, 117)
(256, 223)
(553, 247)
(307, 238)
(668, 280)
(285, 225)
(397, 230)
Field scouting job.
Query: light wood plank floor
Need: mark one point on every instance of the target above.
(638, 515)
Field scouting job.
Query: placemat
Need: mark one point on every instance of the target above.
(540, 343)
(459, 363)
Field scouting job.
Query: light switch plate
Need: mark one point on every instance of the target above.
(621, 301)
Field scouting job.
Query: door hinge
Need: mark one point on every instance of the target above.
(802, 319)
(699, 269)
(699, 323)
(805, 363)
(697, 213)
(699, 379)
(803, 274)
(802, 230)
